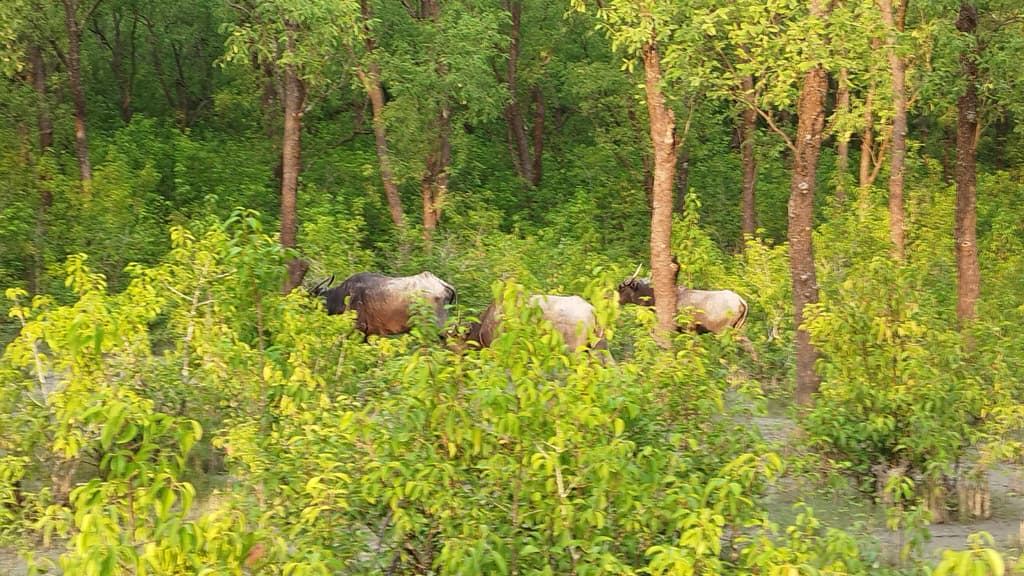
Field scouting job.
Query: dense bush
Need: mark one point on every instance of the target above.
(351, 457)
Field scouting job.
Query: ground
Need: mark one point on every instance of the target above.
(844, 507)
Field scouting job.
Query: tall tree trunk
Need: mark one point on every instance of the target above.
(871, 153)
(682, 176)
(867, 141)
(663, 140)
(125, 80)
(968, 273)
(293, 100)
(1003, 128)
(538, 133)
(42, 100)
(185, 98)
(372, 84)
(748, 124)
(843, 142)
(894, 20)
(77, 91)
(434, 184)
(158, 68)
(518, 142)
(811, 114)
(45, 129)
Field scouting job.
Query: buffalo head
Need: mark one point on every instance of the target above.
(634, 290)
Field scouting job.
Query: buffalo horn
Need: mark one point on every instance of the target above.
(635, 274)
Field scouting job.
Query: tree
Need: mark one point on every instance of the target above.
(73, 63)
(120, 43)
(663, 140)
(748, 126)
(843, 136)
(435, 60)
(370, 77)
(294, 100)
(182, 41)
(895, 20)
(968, 271)
(292, 39)
(526, 150)
(811, 113)
(638, 30)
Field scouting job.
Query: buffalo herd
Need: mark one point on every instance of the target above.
(383, 305)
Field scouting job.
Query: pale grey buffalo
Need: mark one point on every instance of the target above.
(382, 302)
(571, 316)
(712, 310)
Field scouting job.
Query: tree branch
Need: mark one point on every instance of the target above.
(771, 124)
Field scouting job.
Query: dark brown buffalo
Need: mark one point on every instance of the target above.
(382, 302)
(712, 310)
(571, 316)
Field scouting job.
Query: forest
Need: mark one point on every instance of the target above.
(189, 385)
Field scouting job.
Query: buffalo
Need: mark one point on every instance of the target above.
(571, 316)
(713, 310)
(382, 302)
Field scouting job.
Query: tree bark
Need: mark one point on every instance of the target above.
(894, 20)
(434, 184)
(867, 141)
(967, 267)
(748, 124)
(293, 102)
(372, 84)
(45, 121)
(125, 80)
(663, 140)
(77, 91)
(538, 134)
(811, 114)
(682, 177)
(843, 141)
(45, 130)
(518, 142)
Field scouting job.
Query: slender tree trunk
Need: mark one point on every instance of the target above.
(748, 124)
(518, 142)
(434, 184)
(1003, 128)
(811, 114)
(646, 157)
(663, 139)
(185, 97)
(77, 91)
(158, 67)
(843, 143)
(372, 84)
(894, 20)
(867, 141)
(45, 130)
(42, 100)
(682, 177)
(371, 81)
(967, 267)
(116, 45)
(294, 98)
(538, 134)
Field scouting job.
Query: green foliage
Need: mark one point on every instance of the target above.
(980, 559)
(335, 456)
(895, 388)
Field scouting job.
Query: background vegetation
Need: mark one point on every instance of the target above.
(169, 409)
